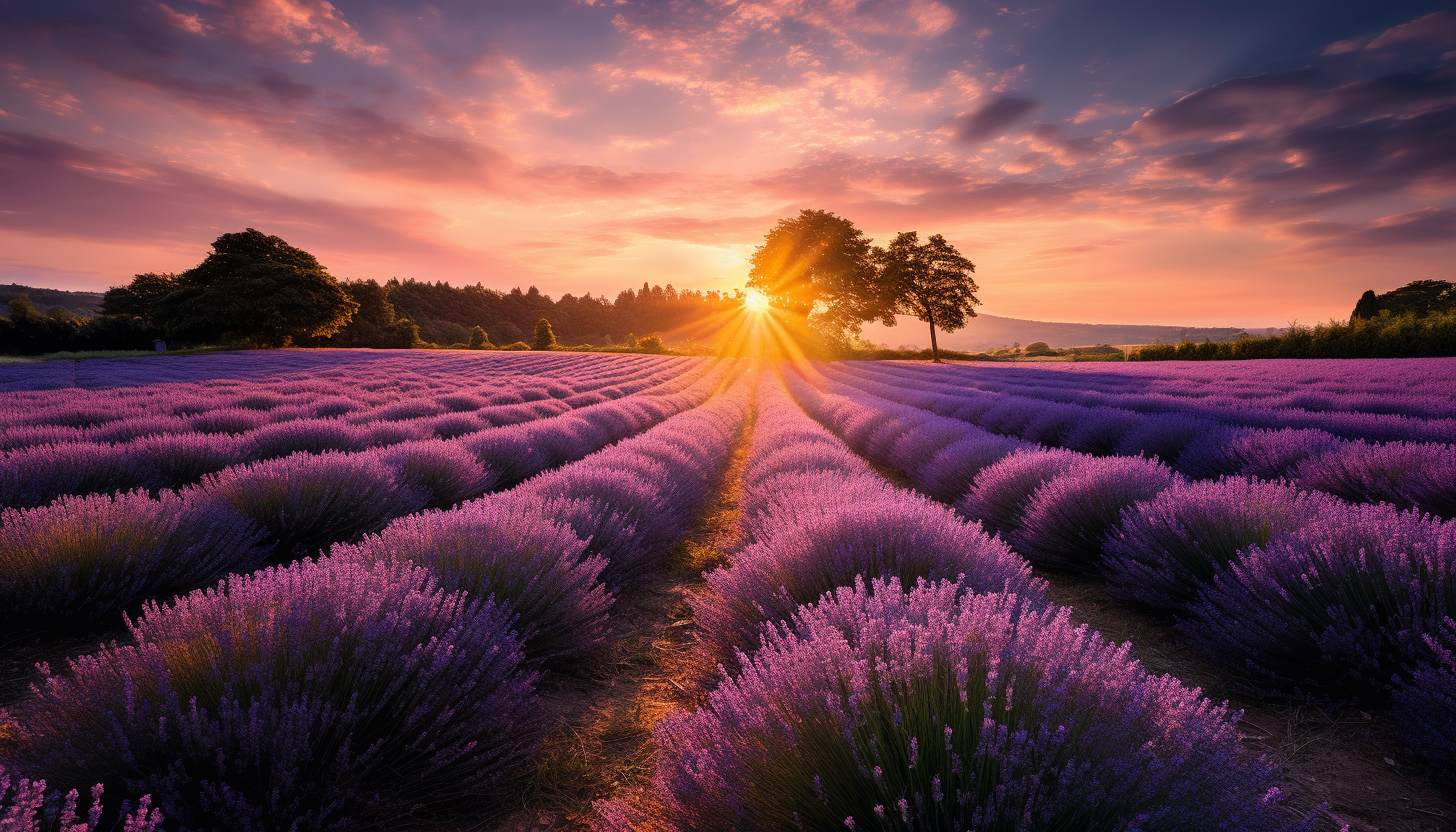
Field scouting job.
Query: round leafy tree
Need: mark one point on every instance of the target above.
(257, 288)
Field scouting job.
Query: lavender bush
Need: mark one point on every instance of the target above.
(1332, 611)
(445, 471)
(307, 501)
(1421, 476)
(511, 551)
(1168, 549)
(1068, 516)
(1263, 454)
(902, 536)
(932, 709)
(949, 473)
(181, 459)
(1425, 708)
(314, 436)
(84, 559)
(1000, 492)
(35, 476)
(322, 696)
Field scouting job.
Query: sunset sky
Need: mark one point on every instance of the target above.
(1219, 162)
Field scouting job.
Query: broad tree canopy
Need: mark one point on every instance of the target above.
(258, 288)
(931, 281)
(818, 258)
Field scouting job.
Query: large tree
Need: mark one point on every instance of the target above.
(818, 262)
(139, 298)
(931, 281)
(257, 288)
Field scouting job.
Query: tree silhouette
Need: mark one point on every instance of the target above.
(139, 298)
(257, 288)
(545, 338)
(818, 258)
(931, 281)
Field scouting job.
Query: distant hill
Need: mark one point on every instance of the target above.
(985, 332)
(77, 303)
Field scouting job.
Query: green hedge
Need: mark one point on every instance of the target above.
(1386, 336)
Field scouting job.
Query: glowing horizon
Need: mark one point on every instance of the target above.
(1203, 164)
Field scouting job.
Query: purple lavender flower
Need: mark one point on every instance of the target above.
(446, 471)
(84, 559)
(1404, 474)
(869, 704)
(1332, 611)
(903, 536)
(1168, 549)
(308, 501)
(29, 807)
(1066, 519)
(1244, 452)
(34, 476)
(325, 695)
(1000, 492)
(1424, 714)
(509, 550)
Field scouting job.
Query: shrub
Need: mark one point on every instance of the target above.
(902, 536)
(599, 495)
(508, 550)
(35, 476)
(1070, 514)
(26, 436)
(510, 453)
(517, 346)
(545, 338)
(1100, 431)
(1425, 709)
(313, 436)
(1163, 435)
(1000, 492)
(1405, 474)
(228, 420)
(879, 709)
(320, 696)
(1244, 452)
(306, 501)
(84, 559)
(949, 474)
(444, 471)
(1168, 548)
(184, 458)
(29, 809)
(1332, 611)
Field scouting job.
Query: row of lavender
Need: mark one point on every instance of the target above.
(872, 661)
(1417, 393)
(1413, 465)
(82, 559)
(117, 452)
(1296, 593)
(390, 680)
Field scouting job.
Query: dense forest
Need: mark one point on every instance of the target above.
(445, 313)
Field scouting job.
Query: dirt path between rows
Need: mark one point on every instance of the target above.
(600, 745)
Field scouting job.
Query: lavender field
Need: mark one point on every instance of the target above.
(463, 590)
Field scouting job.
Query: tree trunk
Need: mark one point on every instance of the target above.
(934, 351)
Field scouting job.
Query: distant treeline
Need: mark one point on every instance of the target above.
(1415, 321)
(256, 290)
(445, 313)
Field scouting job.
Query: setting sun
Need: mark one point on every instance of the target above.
(756, 302)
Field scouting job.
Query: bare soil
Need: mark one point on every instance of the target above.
(600, 747)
